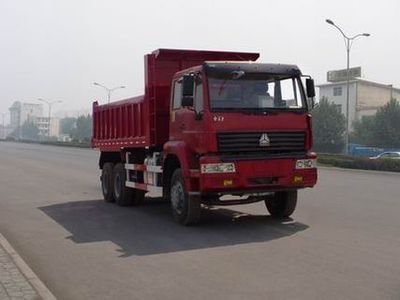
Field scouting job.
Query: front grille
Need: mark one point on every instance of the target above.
(249, 142)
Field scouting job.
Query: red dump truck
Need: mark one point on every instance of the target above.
(212, 128)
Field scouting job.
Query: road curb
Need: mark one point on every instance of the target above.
(32, 278)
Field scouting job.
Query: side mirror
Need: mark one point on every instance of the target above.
(187, 90)
(310, 88)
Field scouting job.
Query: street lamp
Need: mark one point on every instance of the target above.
(50, 104)
(109, 90)
(348, 43)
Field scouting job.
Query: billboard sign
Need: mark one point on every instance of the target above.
(341, 75)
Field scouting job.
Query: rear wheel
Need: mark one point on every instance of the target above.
(107, 182)
(282, 204)
(123, 195)
(138, 197)
(185, 209)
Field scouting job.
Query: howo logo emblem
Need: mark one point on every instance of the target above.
(264, 140)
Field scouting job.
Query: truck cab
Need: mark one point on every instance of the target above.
(246, 129)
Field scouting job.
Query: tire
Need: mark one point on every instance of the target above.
(107, 182)
(282, 204)
(123, 195)
(138, 197)
(185, 209)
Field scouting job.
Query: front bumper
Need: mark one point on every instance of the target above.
(252, 176)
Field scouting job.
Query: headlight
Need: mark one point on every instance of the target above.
(306, 163)
(218, 168)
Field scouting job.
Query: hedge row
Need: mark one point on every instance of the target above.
(54, 143)
(355, 162)
(67, 144)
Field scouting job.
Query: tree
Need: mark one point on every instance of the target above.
(363, 132)
(67, 125)
(29, 131)
(382, 129)
(387, 125)
(83, 129)
(329, 125)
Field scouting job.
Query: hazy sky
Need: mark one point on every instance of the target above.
(56, 49)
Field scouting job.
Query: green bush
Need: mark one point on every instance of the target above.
(364, 163)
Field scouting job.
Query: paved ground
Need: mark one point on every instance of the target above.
(343, 241)
(13, 284)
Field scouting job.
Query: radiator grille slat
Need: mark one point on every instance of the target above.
(279, 142)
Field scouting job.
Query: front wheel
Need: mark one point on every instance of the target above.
(282, 204)
(185, 209)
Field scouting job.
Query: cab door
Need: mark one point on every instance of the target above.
(187, 122)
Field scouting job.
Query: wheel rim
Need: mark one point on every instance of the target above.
(177, 197)
(117, 186)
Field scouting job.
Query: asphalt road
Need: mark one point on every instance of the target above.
(342, 243)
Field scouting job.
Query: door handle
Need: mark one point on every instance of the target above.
(182, 126)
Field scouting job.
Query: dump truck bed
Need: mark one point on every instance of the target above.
(144, 121)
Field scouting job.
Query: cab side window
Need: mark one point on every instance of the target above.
(177, 94)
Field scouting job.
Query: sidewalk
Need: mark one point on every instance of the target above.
(17, 280)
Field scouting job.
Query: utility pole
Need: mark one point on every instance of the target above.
(348, 43)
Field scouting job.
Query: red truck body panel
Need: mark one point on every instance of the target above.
(144, 121)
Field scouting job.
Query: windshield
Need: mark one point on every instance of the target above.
(255, 93)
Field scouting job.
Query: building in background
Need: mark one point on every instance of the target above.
(45, 126)
(365, 96)
(21, 112)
